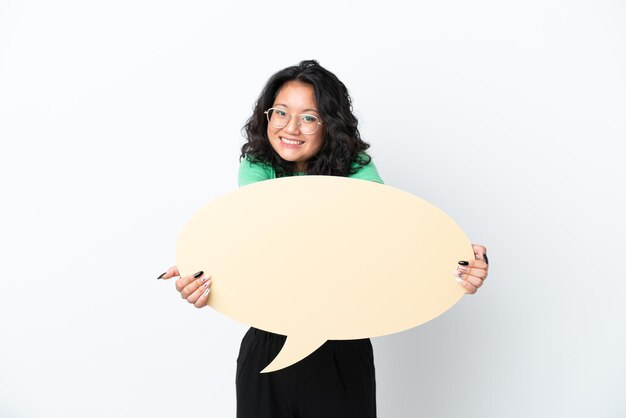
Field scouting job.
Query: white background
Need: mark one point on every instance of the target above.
(119, 119)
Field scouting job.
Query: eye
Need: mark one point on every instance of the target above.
(308, 119)
(280, 113)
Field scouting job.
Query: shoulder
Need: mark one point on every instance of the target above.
(251, 172)
(367, 172)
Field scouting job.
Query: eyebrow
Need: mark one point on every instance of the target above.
(305, 110)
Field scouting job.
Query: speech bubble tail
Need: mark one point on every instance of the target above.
(295, 349)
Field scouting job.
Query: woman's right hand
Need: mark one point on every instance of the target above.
(194, 288)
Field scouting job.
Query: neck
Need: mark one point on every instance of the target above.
(300, 167)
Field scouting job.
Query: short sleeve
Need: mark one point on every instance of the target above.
(250, 172)
(368, 172)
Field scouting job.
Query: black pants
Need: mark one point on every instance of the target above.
(336, 381)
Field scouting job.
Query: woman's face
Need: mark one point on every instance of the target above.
(289, 142)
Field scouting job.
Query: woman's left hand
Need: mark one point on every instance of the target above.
(472, 273)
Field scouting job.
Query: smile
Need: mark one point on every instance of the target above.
(290, 141)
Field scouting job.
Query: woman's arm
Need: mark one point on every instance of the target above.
(252, 172)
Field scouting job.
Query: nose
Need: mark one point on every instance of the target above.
(293, 126)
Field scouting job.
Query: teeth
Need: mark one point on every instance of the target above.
(291, 142)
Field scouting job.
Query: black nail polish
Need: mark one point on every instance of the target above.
(486, 259)
(198, 274)
(161, 276)
(463, 263)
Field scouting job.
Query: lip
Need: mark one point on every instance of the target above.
(285, 144)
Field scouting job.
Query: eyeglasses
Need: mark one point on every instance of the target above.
(279, 118)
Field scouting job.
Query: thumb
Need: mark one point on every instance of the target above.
(171, 272)
(480, 252)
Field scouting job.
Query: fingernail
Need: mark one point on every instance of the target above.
(486, 259)
(206, 284)
(463, 263)
(459, 280)
(206, 292)
(462, 269)
(198, 274)
(204, 279)
(161, 276)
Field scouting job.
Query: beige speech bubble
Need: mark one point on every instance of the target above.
(321, 258)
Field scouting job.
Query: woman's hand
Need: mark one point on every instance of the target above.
(194, 288)
(472, 273)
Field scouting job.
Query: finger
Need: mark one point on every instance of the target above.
(188, 290)
(474, 264)
(171, 272)
(204, 298)
(469, 287)
(184, 281)
(199, 290)
(473, 280)
(474, 267)
(480, 252)
(476, 272)
(480, 273)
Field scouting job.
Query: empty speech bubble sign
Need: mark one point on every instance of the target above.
(321, 258)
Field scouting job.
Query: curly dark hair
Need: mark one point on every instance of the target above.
(342, 145)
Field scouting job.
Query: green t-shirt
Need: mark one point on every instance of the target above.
(252, 172)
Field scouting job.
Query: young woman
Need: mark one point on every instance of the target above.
(303, 124)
